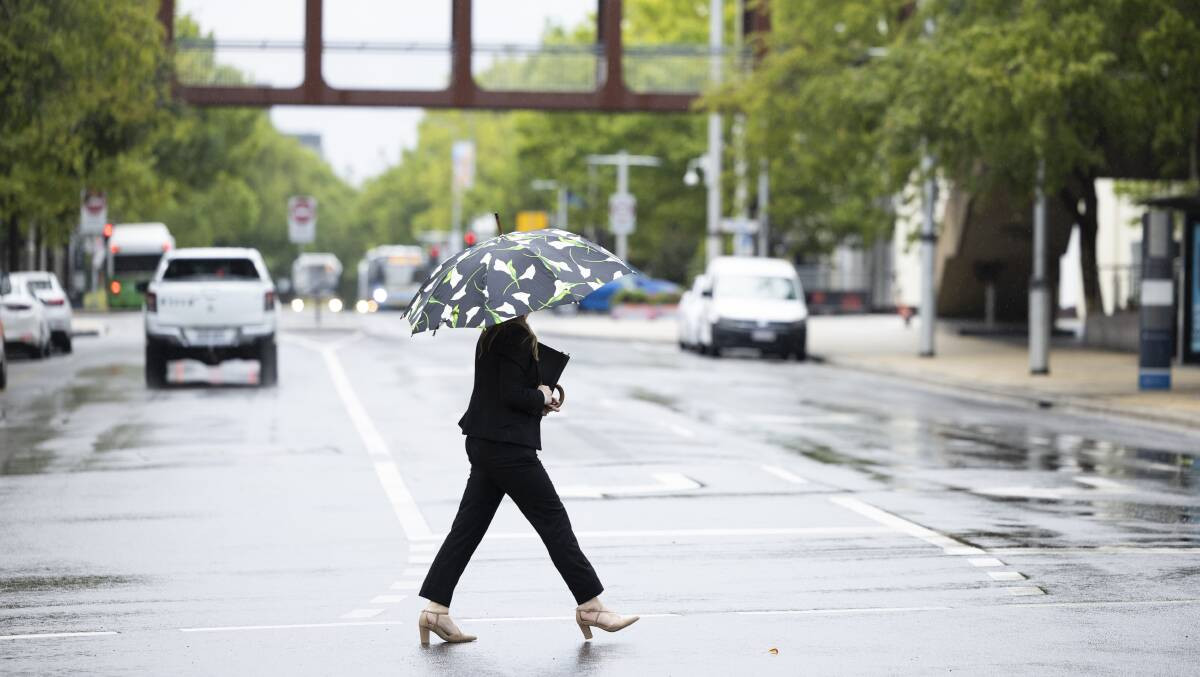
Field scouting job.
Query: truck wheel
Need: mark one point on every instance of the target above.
(156, 365)
(268, 358)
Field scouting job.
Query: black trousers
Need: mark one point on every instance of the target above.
(498, 469)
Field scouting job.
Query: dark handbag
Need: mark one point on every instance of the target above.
(550, 364)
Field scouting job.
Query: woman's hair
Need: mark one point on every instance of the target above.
(490, 334)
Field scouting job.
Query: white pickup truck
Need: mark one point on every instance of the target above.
(210, 304)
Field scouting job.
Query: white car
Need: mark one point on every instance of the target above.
(690, 313)
(24, 319)
(753, 303)
(55, 304)
(210, 304)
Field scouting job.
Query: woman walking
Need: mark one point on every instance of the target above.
(503, 429)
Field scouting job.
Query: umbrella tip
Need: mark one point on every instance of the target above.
(499, 228)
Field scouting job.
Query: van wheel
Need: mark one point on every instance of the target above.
(156, 365)
(3, 374)
(63, 340)
(268, 358)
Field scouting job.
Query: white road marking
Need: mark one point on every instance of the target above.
(414, 572)
(1007, 576)
(362, 613)
(414, 524)
(852, 610)
(985, 562)
(421, 559)
(665, 482)
(948, 545)
(815, 532)
(423, 546)
(1025, 591)
(290, 626)
(681, 430)
(58, 635)
(388, 599)
(406, 585)
(1104, 484)
(783, 474)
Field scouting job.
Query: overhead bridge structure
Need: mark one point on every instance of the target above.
(604, 76)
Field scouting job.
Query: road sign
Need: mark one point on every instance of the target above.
(532, 220)
(93, 212)
(302, 219)
(622, 213)
(740, 225)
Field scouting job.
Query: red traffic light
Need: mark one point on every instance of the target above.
(108, 230)
(469, 239)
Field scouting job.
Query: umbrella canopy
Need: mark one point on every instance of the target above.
(511, 275)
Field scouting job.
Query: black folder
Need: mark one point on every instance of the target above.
(551, 364)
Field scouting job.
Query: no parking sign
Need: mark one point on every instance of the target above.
(302, 219)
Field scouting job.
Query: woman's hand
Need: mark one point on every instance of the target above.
(548, 395)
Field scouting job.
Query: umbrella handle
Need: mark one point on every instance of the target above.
(562, 396)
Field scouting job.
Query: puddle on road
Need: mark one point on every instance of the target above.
(19, 584)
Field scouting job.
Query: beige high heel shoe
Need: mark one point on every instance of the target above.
(608, 621)
(430, 620)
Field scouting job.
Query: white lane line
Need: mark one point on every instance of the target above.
(414, 524)
(665, 482)
(1025, 591)
(362, 613)
(421, 559)
(423, 546)
(814, 532)
(415, 572)
(388, 599)
(535, 619)
(948, 545)
(853, 610)
(1007, 576)
(58, 635)
(681, 431)
(783, 474)
(985, 562)
(406, 585)
(291, 626)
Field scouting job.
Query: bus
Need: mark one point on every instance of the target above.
(390, 275)
(133, 254)
(316, 275)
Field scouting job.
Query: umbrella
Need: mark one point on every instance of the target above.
(510, 275)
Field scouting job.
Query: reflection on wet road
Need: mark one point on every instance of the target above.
(740, 504)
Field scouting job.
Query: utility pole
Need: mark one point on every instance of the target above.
(622, 206)
(1039, 302)
(928, 259)
(764, 193)
(712, 169)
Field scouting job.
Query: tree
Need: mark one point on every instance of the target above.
(81, 83)
(855, 92)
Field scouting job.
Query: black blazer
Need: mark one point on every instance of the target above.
(506, 405)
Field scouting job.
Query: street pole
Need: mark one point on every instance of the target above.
(622, 189)
(764, 193)
(1039, 302)
(712, 170)
(928, 260)
(455, 220)
(562, 208)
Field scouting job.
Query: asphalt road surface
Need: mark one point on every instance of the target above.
(764, 517)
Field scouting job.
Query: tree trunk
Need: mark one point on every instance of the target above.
(1084, 190)
(14, 245)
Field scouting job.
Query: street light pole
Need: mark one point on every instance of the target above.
(712, 169)
(1039, 302)
(928, 259)
(622, 160)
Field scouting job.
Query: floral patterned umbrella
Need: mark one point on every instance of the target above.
(510, 275)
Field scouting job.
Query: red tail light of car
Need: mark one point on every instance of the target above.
(269, 301)
(53, 302)
(151, 302)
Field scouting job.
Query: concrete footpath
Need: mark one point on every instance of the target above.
(1080, 378)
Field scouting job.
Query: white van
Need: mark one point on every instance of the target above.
(751, 302)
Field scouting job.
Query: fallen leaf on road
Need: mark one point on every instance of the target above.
(773, 650)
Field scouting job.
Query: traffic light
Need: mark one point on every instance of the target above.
(469, 239)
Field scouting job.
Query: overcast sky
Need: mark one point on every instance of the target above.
(361, 142)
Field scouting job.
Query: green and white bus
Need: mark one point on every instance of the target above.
(133, 254)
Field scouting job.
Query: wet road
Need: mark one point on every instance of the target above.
(848, 521)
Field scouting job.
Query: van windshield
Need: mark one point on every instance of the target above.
(211, 269)
(755, 287)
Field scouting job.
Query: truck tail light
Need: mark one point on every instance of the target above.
(269, 301)
(151, 302)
